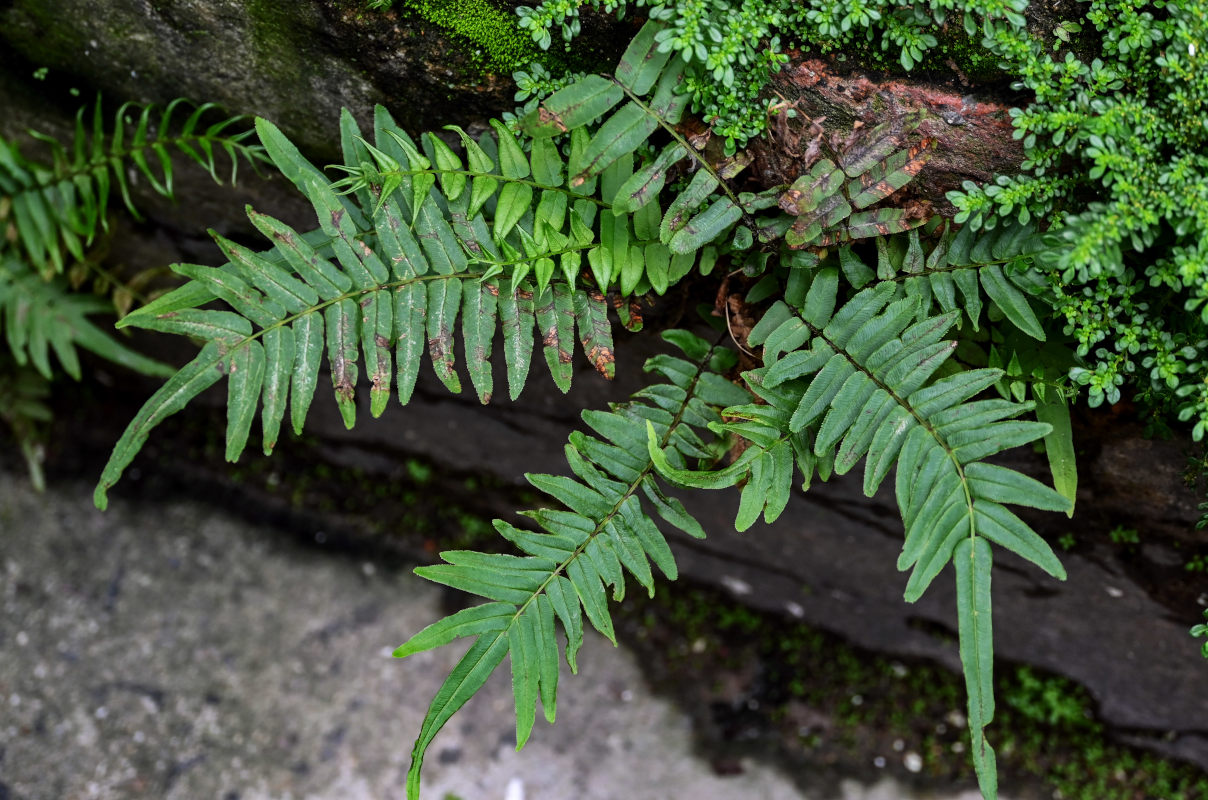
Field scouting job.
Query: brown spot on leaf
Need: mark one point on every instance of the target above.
(790, 202)
(337, 216)
(550, 339)
(381, 341)
(547, 117)
(563, 356)
(603, 360)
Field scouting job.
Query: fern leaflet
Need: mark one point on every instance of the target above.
(42, 317)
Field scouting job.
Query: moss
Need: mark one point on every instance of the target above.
(703, 647)
(495, 40)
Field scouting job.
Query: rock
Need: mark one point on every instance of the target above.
(235, 661)
(295, 63)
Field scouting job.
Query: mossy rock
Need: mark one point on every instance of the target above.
(295, 63)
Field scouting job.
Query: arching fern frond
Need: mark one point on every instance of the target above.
(580, 552)
(56, 210)
(853, 383)
(424, 244)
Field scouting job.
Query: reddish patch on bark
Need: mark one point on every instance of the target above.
(973, 134)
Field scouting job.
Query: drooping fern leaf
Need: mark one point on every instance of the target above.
(854, 383)
(580, 552)
(56, 210)
(41, 317)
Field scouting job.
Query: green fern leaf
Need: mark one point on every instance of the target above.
(972, 560)
(190, 381)
(463, 683)
(478, 317)
(573, 107)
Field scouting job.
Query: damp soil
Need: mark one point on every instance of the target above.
(757, 686)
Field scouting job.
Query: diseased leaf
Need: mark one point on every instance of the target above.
(444, 301)
(555, 323)
(573, 107)
(643, 60)
(377, 329)
(595, 331)
(342, 343)
(706, 226)
(478, 316)
(645, 184)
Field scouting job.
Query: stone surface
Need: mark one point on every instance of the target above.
(296, 63)
(171, 651)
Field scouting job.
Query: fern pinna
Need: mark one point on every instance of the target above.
(57, 209)
(841, 385)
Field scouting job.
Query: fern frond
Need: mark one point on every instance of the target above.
(58, 209)
(580, 553)
(857, 385)
(423, 244)
(41, 317)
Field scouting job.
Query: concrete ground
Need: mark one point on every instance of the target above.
(176, 651)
